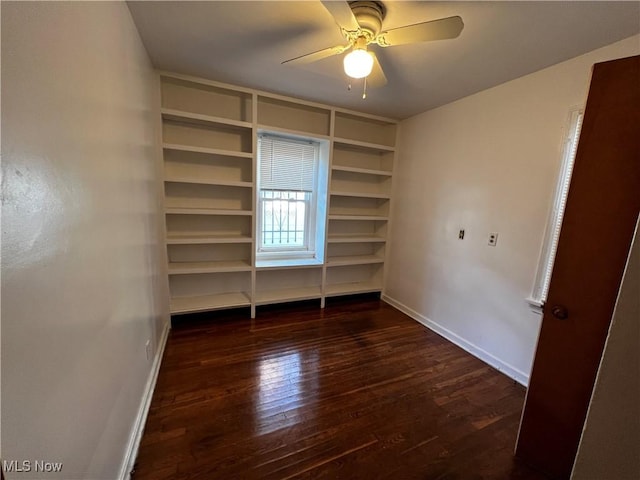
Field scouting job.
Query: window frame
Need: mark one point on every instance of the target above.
(315, 228)
(571, 138)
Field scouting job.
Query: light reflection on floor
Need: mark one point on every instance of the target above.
(284, 379)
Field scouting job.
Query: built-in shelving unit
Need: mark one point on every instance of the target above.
(361, 172)
(209, 141)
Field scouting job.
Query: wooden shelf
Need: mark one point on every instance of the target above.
(354, 260)
(200, 119)
(366, 171)
(187, 268)
(204, 238)
(189, 94)
(355, 239)
(293, 116)
(364, 128)
(207, 135)
(292, 132)
(363, 160)
(288, 264)
(379, 218)
(351, 288)
(384, 196)
(212, 151)
(206, 211)
(370, 146)
(203, 303)
(358, 205)
(207, 181)
(287, 295)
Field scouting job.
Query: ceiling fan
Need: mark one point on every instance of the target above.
(360, 23)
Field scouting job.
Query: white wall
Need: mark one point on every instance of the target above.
(83, 287)
(485, 163)
(611, 435)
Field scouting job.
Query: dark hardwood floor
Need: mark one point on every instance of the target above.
(355, 391)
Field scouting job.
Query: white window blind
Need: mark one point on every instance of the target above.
(287, 164)
(554, 224)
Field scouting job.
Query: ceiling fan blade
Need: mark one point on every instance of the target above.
(442, 29)
(377, 77)
(319, 55)
(341, 12)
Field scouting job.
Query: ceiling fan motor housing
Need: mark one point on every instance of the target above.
(369, 16)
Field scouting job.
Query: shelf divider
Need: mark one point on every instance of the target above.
(202, 303)
(204, 238)
(205, 211)
(333, 290)
(190, 268)
(179, 115)
(366, 171)
(353, 260)
(211, 151)
(287, 295)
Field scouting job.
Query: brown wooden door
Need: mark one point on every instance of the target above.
(600, 216)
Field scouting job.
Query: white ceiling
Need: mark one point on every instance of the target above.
(244, 43)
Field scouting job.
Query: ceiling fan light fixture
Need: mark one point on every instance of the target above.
(358, 63)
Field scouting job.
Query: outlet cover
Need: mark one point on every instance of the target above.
(493, 239)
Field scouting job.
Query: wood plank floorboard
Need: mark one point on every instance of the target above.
(355, 391)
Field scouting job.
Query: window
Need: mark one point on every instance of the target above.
(554, 223)
(284, 220)
(291, 189)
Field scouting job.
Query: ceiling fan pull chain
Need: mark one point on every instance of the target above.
(364, 90)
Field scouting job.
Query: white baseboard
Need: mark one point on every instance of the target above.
(510, 371)
(141, 419)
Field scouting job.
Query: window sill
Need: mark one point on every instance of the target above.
(535, 305)
(288, 263)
